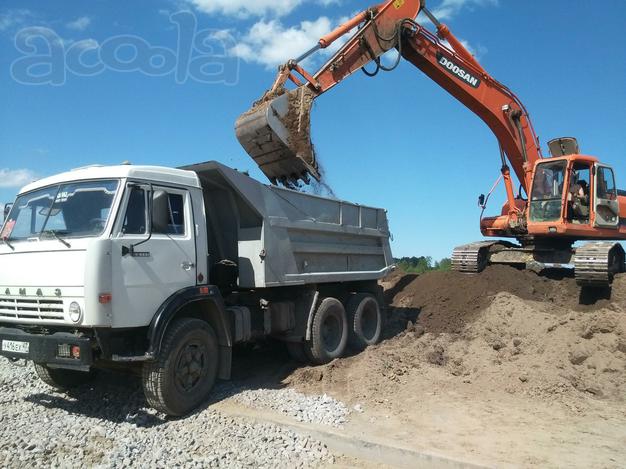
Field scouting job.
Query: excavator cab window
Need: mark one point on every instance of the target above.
(578, 196)
(606, 202)
(546, 200)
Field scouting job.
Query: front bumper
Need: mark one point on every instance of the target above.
(44, 349)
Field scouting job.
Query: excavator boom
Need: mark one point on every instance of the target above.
(276, 131)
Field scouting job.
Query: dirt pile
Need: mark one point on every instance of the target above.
(503, 330)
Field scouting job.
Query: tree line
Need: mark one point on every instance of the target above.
(419, 265)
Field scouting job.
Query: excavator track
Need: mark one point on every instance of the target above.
(471, 258)
(597, 262)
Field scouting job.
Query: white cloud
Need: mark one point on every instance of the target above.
(85, 44)
(79, 24)
(450, 8)
(10, 178)
(270, 43)
(247, 8)
(14, 18)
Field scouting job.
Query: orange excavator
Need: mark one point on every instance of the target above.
(564, 198)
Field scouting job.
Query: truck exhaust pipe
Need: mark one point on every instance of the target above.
(276, 133)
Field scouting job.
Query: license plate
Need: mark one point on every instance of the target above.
(15, 346)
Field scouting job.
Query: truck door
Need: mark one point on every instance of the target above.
(152, 266)
(605, 200)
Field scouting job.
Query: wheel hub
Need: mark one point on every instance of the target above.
(191, 367)
(331, 333)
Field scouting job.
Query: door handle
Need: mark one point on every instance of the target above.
(187, 265)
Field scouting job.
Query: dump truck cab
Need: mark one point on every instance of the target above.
(79, 245)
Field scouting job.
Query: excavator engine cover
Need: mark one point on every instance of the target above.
(276, 133)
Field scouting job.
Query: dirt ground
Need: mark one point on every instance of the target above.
(503, 368)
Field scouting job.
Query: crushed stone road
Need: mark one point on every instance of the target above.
(108, 424)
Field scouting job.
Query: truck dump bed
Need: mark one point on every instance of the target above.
(280, 237)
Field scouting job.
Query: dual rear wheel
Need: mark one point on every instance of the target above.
(335, 327)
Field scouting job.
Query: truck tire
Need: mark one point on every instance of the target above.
(62, 379)
(329, 332)
(184, 372)
(366, 321)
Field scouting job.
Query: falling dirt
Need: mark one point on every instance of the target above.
(515, 359)
(298, 124)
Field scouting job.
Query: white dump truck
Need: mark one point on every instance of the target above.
(164, 270)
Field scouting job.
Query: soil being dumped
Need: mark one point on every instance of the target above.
(298, 124)
(280, 143)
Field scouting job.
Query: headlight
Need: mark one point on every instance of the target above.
(76, 313)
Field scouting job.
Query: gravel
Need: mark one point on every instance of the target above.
(108, 424)
(310, 409)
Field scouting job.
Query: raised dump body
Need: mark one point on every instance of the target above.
(281, 237)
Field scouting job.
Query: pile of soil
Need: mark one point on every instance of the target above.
(501, 331)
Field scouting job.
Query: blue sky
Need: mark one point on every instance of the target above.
(395, 141)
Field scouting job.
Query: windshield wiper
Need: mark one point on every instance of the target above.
(5, 240)
(56, 236)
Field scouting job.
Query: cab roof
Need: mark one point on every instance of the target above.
(575, 157)
(156, 174)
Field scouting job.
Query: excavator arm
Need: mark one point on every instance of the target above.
(276, 131)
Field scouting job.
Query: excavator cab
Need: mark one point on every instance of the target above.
(572, 193)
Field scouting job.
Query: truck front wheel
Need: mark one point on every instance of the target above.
(185, 370)
(329, 332)
(62, 379)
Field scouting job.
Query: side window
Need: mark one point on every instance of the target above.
(175, 214)
(135, 218)
(606, 184)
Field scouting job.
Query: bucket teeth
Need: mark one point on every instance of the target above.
(276, 134)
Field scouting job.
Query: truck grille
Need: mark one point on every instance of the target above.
(34, 309)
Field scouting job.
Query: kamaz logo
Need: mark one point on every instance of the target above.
(457, 71)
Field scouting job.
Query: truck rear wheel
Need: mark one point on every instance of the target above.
(183, 374)
(329, 332)
(63, 379)
(365, 320)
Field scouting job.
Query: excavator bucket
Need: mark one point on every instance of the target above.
(276, 133)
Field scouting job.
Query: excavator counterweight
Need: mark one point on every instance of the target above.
(276, 134)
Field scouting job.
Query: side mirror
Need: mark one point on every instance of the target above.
(160, 212)
(7, 210)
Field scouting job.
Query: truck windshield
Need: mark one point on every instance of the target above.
(547, 193)
(79, 209)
